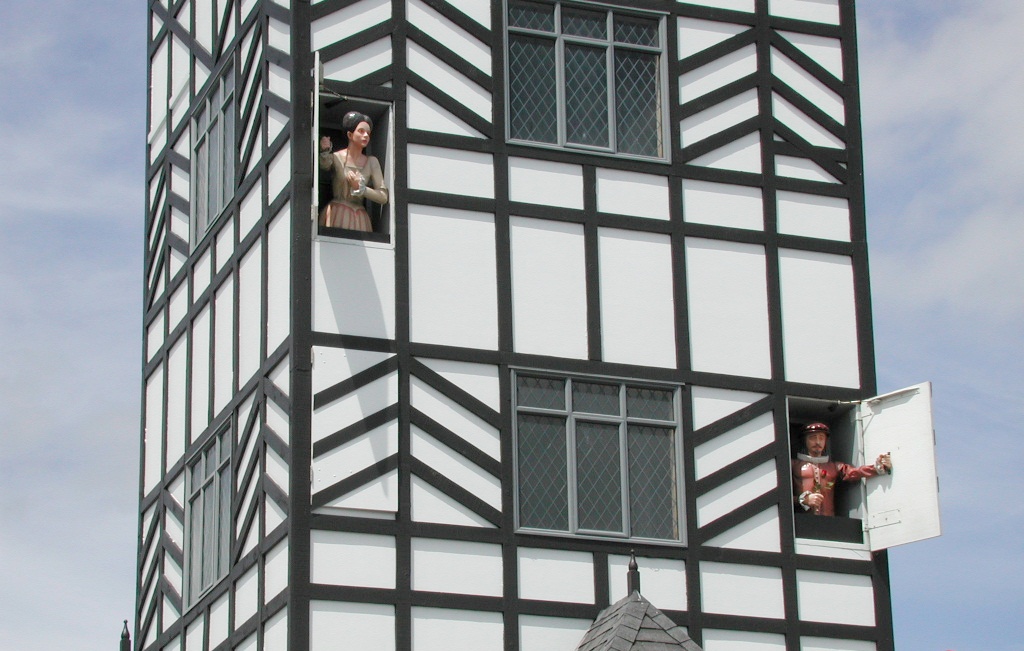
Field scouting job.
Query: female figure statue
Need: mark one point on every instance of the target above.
(356, 176)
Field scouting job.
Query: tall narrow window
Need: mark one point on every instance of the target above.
(587, 77)
(597, 457)
(209, 515)
(213, 155)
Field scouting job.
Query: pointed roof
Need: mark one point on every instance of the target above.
(634, 624)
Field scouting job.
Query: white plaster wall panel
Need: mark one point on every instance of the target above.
(718, 118)
(279, 173)
(359, 63)
(427, 115)
(154, 435)
(180, 183)
(733, 445)
(155, 336)
(802, 168)
(825, 51)
(275, 631)
(453, 277)
(719, 640)
(200, 373)
(832, 644)
(456, 467)
(375, 499)
(431, 505)
(246, 499)
(736, 492)
(632, 193)
(353, 289)
(556, 575)
(224, 345)
(478, 11)
(180, 68)
(445, 629)
(355, 18)
(696, 35)
(248, 644)
(835, 598)
(200, 74)
(170, 614)
(157, 140)
(204, 31)
(279, 81)
(173, 574)
(279, 35)
(760, 533)
(831, 550)
(452, 36)
(745, 590)
(280, 376)
(225, 244)
(334, 365)
(456, 566)
(545, 182)
(804, 126)
(277, 470)
(177, 369)
(344, 558)
(807, 85)
(356, 455)
(174, 529)
(361, 626)
(717, 74)
(740, 155)
(711, 404)
(273, 516)
(175, 262)
(637, 302)
(811, 215)
(479, 380)
(179, 223)
(727, 290)
(456, 419)
(720, 204)
(218, 625)
(278, 278)
(246, 596)
(354, 407)
(464, 173)
(819, 11)
(173, 645)
(276, 122)
(194, 634)
(250, 312)
(537, 633)
(246, 7)
(822, 349)
(662, 580)
(549, 288)
(159, 84)
(277, 420)
(455, 85)
(275, 571)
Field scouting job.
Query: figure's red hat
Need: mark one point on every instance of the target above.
(810, 428)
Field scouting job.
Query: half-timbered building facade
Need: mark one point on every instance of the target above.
(623, 259)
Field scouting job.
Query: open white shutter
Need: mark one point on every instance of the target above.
(902, 507)
(318, 80)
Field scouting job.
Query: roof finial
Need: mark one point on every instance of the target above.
(126, 638)
(633, 575)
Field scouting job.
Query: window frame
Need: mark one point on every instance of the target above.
(610, 45)
(195, 544)
(208, 115)
(623, 420)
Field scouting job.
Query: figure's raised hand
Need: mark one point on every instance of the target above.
(884, 461)
(325, 144)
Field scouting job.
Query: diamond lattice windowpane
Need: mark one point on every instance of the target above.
(540, 392)
(581, 22)
(636, 31)
(531, 15)
(586, 96)
(533, 90)
(598, 477)
(543, 485)
(637, 103)
(592, 398)
(654, 404)
(652, 483)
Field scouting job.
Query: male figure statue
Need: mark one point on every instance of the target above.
(815, 474)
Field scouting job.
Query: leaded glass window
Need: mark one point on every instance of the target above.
(209, 515)
(213, 155)
(587, 77)
(597, 457)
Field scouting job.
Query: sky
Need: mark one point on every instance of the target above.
(942, 86)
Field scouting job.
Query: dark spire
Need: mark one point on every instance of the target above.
(126, 638)
(633, 575)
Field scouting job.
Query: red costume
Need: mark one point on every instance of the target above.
(810, 477)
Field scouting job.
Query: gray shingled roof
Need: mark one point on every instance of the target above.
(634, 624)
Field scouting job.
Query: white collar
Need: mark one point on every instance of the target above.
(810, 459)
